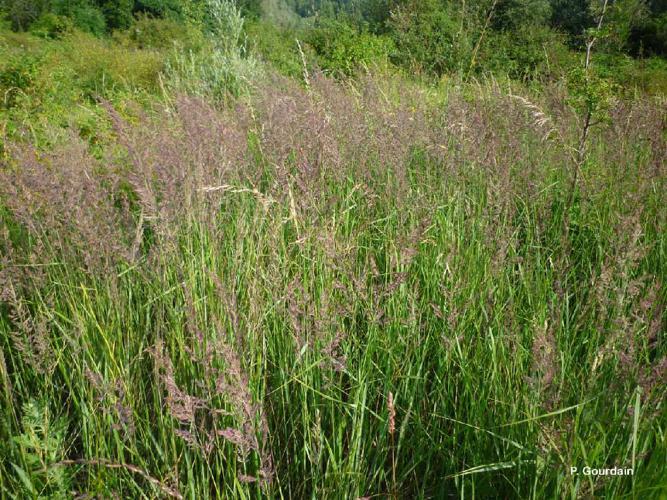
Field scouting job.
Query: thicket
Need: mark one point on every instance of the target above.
(526, 39)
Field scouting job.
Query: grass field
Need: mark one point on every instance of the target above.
(338, 290)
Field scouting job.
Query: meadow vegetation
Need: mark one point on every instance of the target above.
(247, 251)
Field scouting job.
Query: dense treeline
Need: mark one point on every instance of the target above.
(435, 35)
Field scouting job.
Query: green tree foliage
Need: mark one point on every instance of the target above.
(341, 48)
(622, 15)
(154, 33)
(52, 26)
(325, 8)
(118, 13)
(376, 13)
(172, 9)
(425, 34)
(626, 20)
(98, 16)
(526, 54)
(22, 13)
(519, 14)
(571, 16)
(277, 46)
(84, 15)
(251, 9)
(649, 36)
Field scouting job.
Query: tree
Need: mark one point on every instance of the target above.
(84, 15)
(22, 13)
(117, 13)
(519, 14)
(648, 36)
(571, 16)
(376, 13)
(622, 16)
(342, 48)
(251, 9)
(171, 9)
(424, 33)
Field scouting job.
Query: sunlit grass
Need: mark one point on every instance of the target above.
(247, 344)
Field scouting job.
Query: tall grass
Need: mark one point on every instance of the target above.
(337, 292)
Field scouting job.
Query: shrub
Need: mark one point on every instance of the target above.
(222, 68)
(170, 9)
(17, 72)
(530, 53)
(151, 33)
(650, 37)
(84, 15)
(100, 65)
(20, 65)
(340, 48)
(211, 73)
(90, 19)
(591, 93)
(52, 26)
(277, 46)
(22, 13)
(647, 74)
(118, 13)
(425, 38)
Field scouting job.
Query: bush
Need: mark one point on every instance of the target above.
(650, 37)
(223, 67)
(425, 38)
(118, 13)
(151, 33)
(528, 54)
(49, 88)
(277, 46)
(341, 49)
(17, 75)
(82, 13)
(211, 73)
(22, 13)
(90, 19)
(52, 26)
(100, 65)
(649, 75)
(169, 9)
